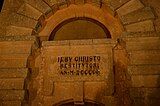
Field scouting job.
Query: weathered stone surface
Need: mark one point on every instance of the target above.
(97, 3)
(109, 101)
(13, 61)
(145, 57)
(62, 4)
(11, 103)
(11, 6)
(143, 43)
(48, 101)
(97, 90)
(144, 39)
(29, 11)
(13, 83)
(139, 15)
(144, 70)
(79, 1)
(103, 41)
(48, 87)
(54, 43)
(22, 21)
(149, 93)
(129, 7)
(115, 4)
(51, 2)
(20, 31)
(12, 95)
(144, 26)
(18, 38)
(40, 5)
(146, 101)
(78, 92)
(145, 81)
(51, 52)
(76, 86)
(79, 42)
(18, 47)
(13, 73)
(128, 35)
(62, 91)
(138, 101)
(153, 102)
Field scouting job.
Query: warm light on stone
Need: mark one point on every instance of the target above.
(80, 53)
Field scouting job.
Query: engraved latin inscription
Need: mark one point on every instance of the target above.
(79, 65)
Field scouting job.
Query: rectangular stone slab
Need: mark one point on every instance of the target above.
(12, 83)
(63, 62)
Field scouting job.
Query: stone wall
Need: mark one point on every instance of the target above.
(134, 25)
(155, 6)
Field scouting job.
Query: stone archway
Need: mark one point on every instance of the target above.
(35, 23)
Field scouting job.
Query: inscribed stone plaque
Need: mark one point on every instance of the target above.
(76, 62)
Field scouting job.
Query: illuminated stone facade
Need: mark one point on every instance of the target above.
(80, 52)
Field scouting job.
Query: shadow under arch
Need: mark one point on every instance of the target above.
(53, 33)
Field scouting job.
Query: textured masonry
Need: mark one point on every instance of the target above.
(141, 41)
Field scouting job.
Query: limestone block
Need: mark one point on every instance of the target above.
(11, 103)
(12, 95)
(144, 101)
(143, 43)
(63, 91)
(128, 35)
(78, 92)
(139, 15)
(13, 61)
(70, 86)
(97, 90)
(145, 81)
(79, 1)
(103, 41)
(48, 86)
(153, 102)
(18, 47)
(51, 2)
(138, 101)
(13, 73)
(55, 43)
(101, 48)
(29, 11)
(12, 83)
(145, 57)
(22, 21)
(62, 4)
(145, 93)
(129, 7)
(144, 26)
(18, 38)
(80, 42)
(20, 31)
(109, 101)
(48, 101)
(115, 4)
(40, 5)
(97, 3)
(144, 70)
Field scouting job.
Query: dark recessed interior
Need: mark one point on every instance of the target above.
(79, 28)
(1, 4)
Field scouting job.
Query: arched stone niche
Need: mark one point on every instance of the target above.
(117, 16)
